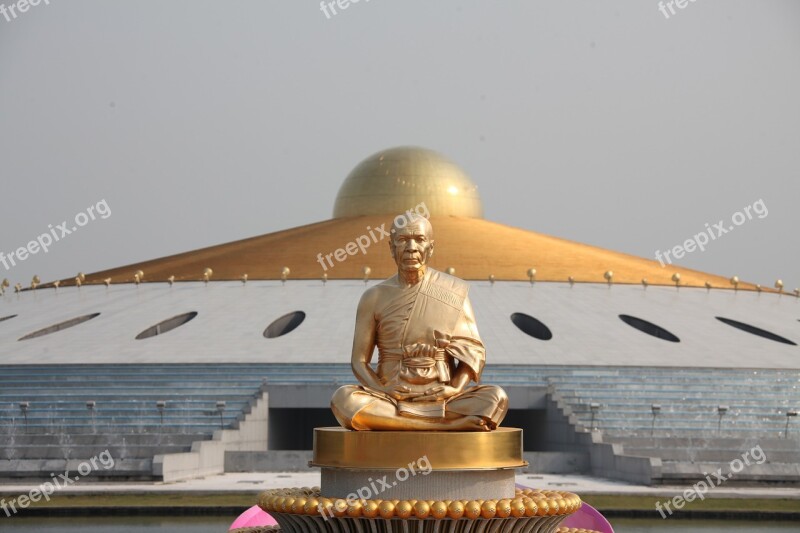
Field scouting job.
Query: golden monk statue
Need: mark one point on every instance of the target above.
(429, 350)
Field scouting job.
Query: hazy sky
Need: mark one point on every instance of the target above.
(204, 122)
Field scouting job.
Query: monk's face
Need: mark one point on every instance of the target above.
(412, 245)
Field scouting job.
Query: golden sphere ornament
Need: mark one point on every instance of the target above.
(517, 507)
(286, 505)
(277, 503)
(439, 510)
(298, 506)
(489, 509)
(386, 509)
(455, 510)
(311, 507)
(403, 509)
(370, 509)
(354, 509)
(530, 507)
(422, 509)
(472, 509)
(339, 507)
(544, 507)
(504, 508)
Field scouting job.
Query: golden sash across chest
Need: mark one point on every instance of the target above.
(437, 308)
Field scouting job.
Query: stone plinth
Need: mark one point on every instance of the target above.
(430, 465)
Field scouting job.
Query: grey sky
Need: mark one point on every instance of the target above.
(204, 122)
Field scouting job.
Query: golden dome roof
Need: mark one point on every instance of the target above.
(398, 179)
(505, 252)
(382, 186)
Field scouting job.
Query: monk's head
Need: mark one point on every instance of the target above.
(411, 242)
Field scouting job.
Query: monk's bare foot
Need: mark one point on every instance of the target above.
(469, 423)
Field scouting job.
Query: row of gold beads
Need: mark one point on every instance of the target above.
(527, 502)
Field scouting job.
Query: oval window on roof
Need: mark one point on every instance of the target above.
(9, 317)
(166, 325)
(285, 324)
(531, 326)
(649, 328)
(754, 330)
(58, 327)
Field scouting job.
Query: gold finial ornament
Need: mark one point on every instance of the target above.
(758, 287)
(644, 282)
(609, 276)
(491, 279)
(171, 280)
(676, 278)
(285, 274)
(424, 385)
(571, 281)
(451, 271)
(735, 282)
(708, 285)
(324, 278)
(366, 271)
(82, 276)
(244, 278)
(137, 276)
(779, 285)
(107, 281)
(532, 275)
(207, 273)
(35, 281)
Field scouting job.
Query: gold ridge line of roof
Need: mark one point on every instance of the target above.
(475, 247)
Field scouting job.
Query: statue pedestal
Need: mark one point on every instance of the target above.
(427, 465)
(418, 482)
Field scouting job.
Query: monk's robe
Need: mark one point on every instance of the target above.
(434, 312)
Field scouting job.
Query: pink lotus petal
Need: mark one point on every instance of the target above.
(253, 517)
(587, 517)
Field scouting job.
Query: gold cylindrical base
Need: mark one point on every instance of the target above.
(444, 450)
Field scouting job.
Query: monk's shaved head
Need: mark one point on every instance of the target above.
(409, 220)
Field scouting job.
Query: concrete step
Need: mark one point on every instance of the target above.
(80, 452)
(103, 439)
(710, 455)
(39, 470)
(721, 443)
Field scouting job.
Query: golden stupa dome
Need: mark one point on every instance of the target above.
(398, 179)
